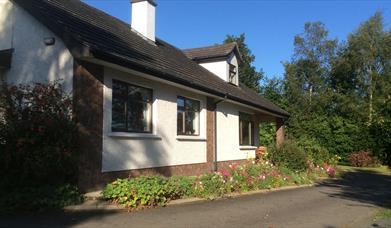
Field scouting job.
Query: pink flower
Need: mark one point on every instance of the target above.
(225, 173)
(262, 177)
(330, 171)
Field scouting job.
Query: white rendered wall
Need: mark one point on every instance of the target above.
(32, 60)
(228, 147)
(218, 68)
(143, 19)
(221, 68)
(135, 152)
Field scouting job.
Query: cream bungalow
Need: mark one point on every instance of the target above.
(144, 106)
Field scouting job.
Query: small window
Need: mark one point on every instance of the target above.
(131, 108)
(232, 74)
(246, 130)
(188, 112)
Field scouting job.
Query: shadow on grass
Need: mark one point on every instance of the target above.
(361, 185)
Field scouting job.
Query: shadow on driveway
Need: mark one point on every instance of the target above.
(364, 186)
(370, 190)
(58, 219)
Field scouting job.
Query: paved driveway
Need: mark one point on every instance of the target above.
(350, 202)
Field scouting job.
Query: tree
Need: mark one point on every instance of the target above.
(368, 53)
(248, 74)
(273, 90)
(340, 93)
(306, 75)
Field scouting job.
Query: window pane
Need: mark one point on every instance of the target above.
(181, 103)
(192, 105)
(138, 116)
(188, 116)
(180, 122)
(246, 133)
(140, 94)
(119, 106)
(191, 123)
(232, 73)
(132, 108)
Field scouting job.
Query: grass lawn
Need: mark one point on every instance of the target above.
(381, 170)
(384, 213)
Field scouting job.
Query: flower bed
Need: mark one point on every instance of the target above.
(153, 191)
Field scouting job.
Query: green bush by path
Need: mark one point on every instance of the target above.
(290, 155)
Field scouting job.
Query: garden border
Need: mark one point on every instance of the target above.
(94, 203)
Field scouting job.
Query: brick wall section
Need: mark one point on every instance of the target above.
(88, 111)
(210, 125)
(280, 135)
(178, 170)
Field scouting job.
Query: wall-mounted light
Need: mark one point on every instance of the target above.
(49, 41)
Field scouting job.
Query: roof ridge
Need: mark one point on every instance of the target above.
(211, 46)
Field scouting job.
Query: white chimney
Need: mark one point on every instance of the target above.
(143, 17)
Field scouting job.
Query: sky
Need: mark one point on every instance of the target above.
(269, 26)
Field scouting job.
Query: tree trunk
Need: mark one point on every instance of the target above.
(370, 95)
(310, 94)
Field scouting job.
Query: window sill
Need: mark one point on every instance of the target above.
(247, 147)
(189, 138)
(133, 135)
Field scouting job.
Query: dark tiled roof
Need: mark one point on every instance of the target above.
(210, 52)
(112, 40)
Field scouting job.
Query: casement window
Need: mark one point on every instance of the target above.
(131, 108)
(246, 130)
(232, 74)
(188, 112)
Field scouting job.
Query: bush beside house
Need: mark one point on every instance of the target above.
(37, 160)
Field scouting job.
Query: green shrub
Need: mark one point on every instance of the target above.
(42, 198)
(180, 186)
(38, 137)
(211, 185)
(288, 154)
(318, 154)
(141, 191)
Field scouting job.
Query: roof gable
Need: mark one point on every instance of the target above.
(211, 53)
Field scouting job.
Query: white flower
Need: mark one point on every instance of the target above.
(267, 162)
